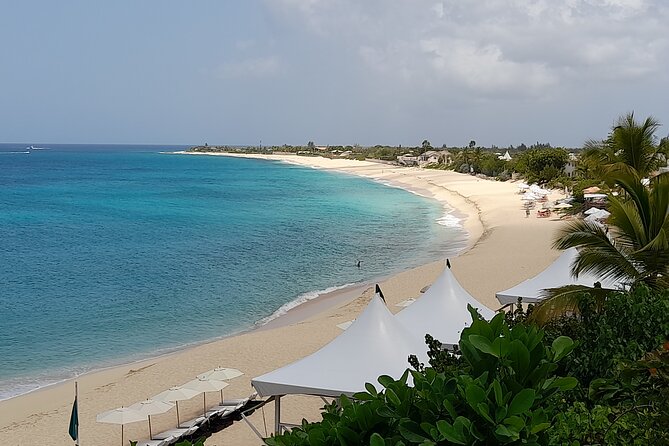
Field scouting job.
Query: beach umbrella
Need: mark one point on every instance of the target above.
(523, 186)
(151, 407)
(562, 206)
(122, 415)
(221, 374)
(597, 214)
(529, 196)
(203, 386)
(176, 394)
(591, 190)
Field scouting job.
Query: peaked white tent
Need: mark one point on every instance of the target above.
(556, 275)
(442, 310)
(375, 344)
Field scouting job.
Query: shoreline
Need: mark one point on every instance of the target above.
(502, 245)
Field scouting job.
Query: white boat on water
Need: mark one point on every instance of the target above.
(29, 148)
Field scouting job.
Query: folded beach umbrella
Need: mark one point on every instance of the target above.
(203, 385)
(151, 407)
(176, 394)
(122, 415)
(221, 374)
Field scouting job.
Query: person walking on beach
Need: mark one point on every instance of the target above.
(527, 212)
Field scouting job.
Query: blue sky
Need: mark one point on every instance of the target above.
(332, 71)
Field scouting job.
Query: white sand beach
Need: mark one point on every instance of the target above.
(504, 248)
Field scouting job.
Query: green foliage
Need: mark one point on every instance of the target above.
(622, 328)
(500, 393)
(630, 143)
(542, 165)
(609, 425)
(624, 398)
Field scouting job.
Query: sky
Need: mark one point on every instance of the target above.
(499, 72)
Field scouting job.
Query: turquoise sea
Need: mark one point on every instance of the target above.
(110, 254)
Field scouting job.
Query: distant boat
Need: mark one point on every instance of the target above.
(29, 148)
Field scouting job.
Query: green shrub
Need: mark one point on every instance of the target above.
(624, 329)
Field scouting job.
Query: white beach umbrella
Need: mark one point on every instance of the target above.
(176, 394)
(591, 211)
(538, 190)
(529, 196)
(221, 374)
(122, 415)
(203, 386)
(598, 214)
(523, 186)
(151, 407)
(562, 206)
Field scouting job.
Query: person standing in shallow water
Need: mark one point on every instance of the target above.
(358, 263)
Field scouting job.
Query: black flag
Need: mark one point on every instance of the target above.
(380, 293)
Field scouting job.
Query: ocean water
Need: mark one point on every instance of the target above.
(109, 254)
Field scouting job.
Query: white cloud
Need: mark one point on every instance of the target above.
(526, 47)
(484, 67)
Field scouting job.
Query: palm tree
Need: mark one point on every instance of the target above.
(630, 143)
(634, 250)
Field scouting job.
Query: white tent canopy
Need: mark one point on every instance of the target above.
(556, 275)
(442, 310)
(375, 344)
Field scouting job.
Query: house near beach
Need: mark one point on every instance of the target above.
(570, 167)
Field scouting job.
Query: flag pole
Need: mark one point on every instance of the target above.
(76, 398)
(73, 429)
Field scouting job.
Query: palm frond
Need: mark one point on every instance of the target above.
(565, 300)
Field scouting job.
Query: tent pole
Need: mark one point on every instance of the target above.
(277, 414)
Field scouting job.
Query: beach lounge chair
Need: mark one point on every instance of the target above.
(195, 422)
(156, 442)
(219, 412)
(172, 434)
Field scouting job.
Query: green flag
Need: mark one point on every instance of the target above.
(74, 423)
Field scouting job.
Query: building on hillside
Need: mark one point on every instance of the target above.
(408, 160)
(434, 157)
(429, 157)
(570, 167)
(505, 157)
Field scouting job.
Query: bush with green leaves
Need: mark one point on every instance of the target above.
(621, 329)
(502, 392)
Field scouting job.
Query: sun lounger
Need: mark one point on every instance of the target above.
(219, 412)
(236, 402)
(172, 434)
(192, 423)
(156, 442)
